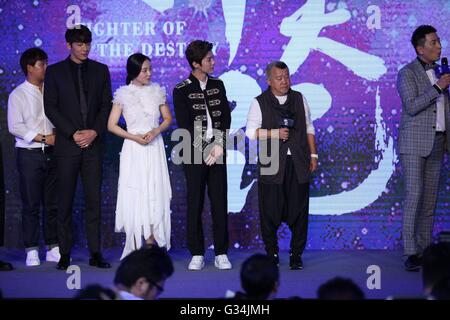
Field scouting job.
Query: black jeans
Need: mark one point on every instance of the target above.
(37, 172)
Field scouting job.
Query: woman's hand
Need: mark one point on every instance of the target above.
(151, 135)
(140, 138)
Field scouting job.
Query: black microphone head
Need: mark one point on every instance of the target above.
(444, 66)
(286, 123)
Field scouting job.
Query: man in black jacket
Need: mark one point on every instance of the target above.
(77, 100)
(202, 108)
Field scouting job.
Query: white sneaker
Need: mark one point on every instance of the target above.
(221, 262)
(53, 255)
(33, 258)
(197, 263)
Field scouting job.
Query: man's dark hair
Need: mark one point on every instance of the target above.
(30, 56)
(152, 263)
(435, 264)
(419, 35)
(79, 33)
(275, 64)
(196, 51)
(134, 65)
(259, 276)
(340, 289)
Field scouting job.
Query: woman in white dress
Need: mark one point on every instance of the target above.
(144, 191)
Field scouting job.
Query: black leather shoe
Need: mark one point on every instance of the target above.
(64, 262)
(295, 261)
(413, 263)
(5, 266)
(96, 260)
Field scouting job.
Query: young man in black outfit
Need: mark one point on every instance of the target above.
(202, 108)
(77, 101)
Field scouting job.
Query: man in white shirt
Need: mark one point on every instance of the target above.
(35, 161)
(281, 116)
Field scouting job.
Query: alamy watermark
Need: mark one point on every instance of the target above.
(73, 282)
(374, 280)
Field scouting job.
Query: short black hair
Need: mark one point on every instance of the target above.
(134, 65)
(419, 35)
(152, 263)
(435, 263)
(340, 289)
(259, 276)
(79, 33)
(30, 56)
(197, 50)
(275, 64)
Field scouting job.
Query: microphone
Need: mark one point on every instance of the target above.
(286, 123)
(444, 66)
(445, 70)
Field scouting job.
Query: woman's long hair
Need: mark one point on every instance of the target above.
(134, 65)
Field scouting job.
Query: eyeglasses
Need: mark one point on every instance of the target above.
(157, 286)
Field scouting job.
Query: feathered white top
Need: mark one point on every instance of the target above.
(140, 106)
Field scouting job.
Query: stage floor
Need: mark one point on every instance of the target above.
(45, 281)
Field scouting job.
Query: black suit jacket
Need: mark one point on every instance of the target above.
(62, 105)
(190, 106)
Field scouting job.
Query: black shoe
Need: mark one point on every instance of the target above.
(96, 260)
(64, 262)
(413, 263)
(295, 261)
(5, 266)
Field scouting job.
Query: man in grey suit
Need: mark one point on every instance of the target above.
(422, 140)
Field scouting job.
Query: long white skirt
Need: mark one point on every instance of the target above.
(144, 194)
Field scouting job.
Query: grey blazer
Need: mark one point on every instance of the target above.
(418, 121)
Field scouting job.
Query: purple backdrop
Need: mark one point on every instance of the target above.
(343, 55)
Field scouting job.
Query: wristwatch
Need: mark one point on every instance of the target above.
(43, 138)
(315, 155)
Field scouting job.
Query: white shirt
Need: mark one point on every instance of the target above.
(254, 118)
(26, 117)
(209, 129)
(128, 296)
(440, 103)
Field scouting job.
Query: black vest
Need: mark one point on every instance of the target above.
(297, 142)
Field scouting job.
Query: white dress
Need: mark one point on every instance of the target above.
(144, 191)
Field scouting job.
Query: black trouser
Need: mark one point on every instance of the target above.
(215, 177)
(37, 177)
(287, 202)
(89, 165)
(2, 200)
